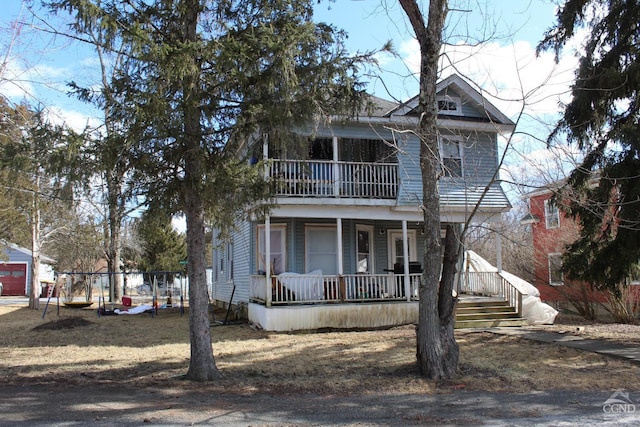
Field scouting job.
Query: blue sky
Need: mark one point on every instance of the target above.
(527, 88)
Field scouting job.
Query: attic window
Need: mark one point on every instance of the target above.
(449, 105)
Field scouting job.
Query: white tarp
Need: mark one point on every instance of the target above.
(533, 309)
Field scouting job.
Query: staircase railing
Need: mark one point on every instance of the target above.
(492, 284)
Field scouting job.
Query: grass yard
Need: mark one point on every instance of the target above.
(77, 347)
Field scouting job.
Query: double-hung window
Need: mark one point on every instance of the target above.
(551, 214)
(555, 270)
(451, 151)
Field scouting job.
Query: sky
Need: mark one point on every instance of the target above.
(504, 67)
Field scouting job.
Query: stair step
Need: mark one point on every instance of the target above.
(489, 303)
(490, 323)
(488, 316)
(477, 313)
(487, 309)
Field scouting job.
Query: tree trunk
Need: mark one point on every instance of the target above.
(202, 366)
(114, 190)
(34, 295)
(437, 351)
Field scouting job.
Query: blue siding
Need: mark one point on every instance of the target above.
(410, 192)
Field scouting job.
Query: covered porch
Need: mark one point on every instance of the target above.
(310, 302)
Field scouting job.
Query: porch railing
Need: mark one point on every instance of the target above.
(304, 178)
(305, 289)
(491, 284)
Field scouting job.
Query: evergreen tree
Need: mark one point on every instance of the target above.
(36, 157)
(162, 246)
(202, 79)
(603, 120)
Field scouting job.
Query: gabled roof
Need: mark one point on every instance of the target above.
(378, 107)
(28, 252)
(470, 95)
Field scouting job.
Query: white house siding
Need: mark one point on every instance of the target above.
(310, 317)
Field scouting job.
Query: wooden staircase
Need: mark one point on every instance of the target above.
(479, 312)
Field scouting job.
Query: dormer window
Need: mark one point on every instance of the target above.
(449, 105)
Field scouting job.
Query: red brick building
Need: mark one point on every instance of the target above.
(551, 231)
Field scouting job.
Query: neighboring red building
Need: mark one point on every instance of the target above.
(551, 231)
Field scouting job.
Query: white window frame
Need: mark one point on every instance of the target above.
(451, 101)
(371, 266)
(549, 264)
(307, 254)
(411, 244)
(229, 253)
(283, 242)
(452, 139)
(548, 215)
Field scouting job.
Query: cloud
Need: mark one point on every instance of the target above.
(510, 75)
(76, 120)
(45, 87)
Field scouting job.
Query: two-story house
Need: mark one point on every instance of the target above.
(343, 245)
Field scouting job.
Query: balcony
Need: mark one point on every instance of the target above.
(319, 178)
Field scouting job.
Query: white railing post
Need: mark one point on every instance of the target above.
(405, 259)
(267, 255)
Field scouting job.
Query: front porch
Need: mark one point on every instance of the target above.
(311, 301)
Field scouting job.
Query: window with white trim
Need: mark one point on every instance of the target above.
(364, 249)
(451, 153)
(551, 214)
(278, 248)
(555, 269)
(230, 261)
(449, 105)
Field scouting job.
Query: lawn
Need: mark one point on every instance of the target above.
(75, 346)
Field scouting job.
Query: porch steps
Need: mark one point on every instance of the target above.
(476, 313)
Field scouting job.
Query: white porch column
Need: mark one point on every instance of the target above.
(339, 243)
(267, 256)
(405, 258)
(336, 170)
(499, 250)
(265, 153)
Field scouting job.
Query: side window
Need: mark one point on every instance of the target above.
(230, 261)
(555, 269)
(451, 151)
(551, 214)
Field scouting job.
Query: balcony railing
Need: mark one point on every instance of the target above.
(317, 178)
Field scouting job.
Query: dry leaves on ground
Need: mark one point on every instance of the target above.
(154, 352)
